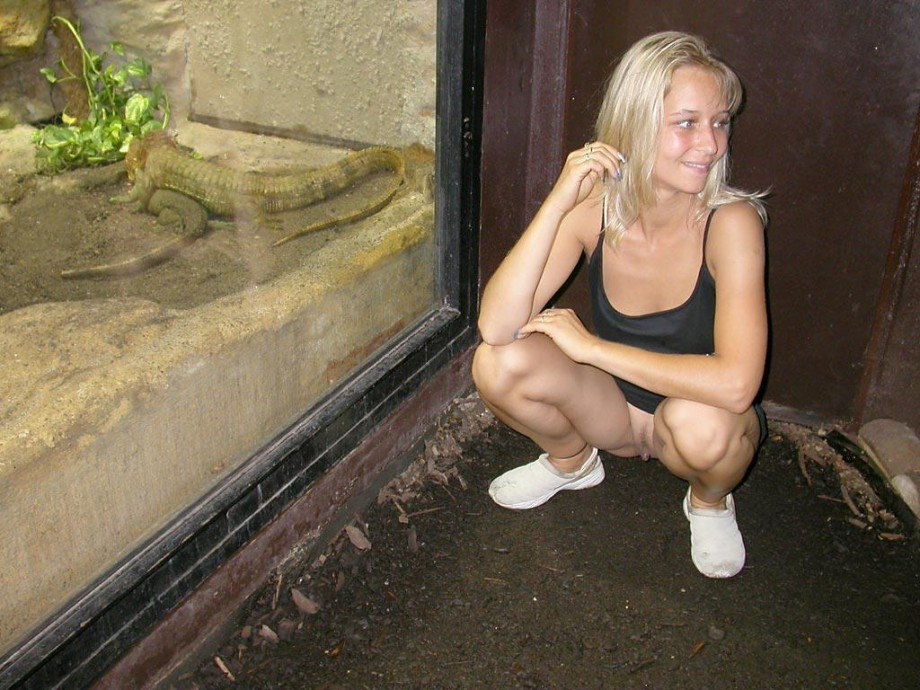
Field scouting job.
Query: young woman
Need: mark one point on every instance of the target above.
(676, 275)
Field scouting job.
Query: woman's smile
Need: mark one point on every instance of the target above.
(699, 168)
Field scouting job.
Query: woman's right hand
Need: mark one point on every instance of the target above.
(582, 170)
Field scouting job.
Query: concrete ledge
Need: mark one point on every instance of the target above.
(117, 414)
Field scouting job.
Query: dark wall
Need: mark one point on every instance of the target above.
(833, 90)
(893, 362)
(506, 127)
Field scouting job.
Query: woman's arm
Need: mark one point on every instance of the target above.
(731, 376)
(548, 250)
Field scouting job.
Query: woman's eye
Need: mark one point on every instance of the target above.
(724, 124)
(685, 124)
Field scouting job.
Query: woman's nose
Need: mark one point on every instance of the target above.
(707, 139)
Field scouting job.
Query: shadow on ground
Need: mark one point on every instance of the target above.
(593, 590)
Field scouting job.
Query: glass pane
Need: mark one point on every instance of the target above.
(285, 235)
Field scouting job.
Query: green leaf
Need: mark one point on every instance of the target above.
(151, 126)
(137, 108)
(122, 103)
(138, 69)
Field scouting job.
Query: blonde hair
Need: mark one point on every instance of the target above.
(630, 120)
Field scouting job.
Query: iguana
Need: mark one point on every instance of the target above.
(155, 162)
(171, 208)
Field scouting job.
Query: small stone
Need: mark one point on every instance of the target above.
(715, 633)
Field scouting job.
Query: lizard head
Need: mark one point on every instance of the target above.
(136, 157)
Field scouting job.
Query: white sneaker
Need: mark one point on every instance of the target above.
(716, 545)
(533, 484)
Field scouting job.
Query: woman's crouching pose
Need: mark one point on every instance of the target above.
(676, 276)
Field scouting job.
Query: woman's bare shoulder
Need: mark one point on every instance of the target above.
(736, 236)
(737, 214)
(585, 221)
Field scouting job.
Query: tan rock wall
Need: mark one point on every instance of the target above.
(22, 27)
(351, 71)
(354, 71)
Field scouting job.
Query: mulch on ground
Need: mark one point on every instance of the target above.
(436, 587)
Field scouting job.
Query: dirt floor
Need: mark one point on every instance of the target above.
(436, 587)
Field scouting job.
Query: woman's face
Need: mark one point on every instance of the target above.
(694, 133)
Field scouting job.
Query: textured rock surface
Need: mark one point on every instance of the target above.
(118, 414)
(22, 27)
(361, 72)
(895, 449)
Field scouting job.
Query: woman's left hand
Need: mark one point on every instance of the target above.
(565, 329)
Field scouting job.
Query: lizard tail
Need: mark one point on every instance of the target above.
(363, 212)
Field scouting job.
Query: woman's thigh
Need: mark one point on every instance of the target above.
(534, 373)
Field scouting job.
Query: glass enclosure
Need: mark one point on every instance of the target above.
(272, 228)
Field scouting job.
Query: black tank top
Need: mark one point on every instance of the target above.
(687, 329)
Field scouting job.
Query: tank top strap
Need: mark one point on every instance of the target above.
(599, 246)
(706, 232)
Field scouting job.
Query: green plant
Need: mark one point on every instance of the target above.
(122, 105)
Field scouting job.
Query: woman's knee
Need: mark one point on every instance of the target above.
(701, 435)
(498, 369)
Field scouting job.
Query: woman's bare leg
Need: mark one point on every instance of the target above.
(712, 449)
(709, 447)
(565, 407)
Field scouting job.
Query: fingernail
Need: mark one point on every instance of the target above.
(621, 157)
(619, 175)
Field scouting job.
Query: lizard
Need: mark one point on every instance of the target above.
(170, 207)
(155, 162)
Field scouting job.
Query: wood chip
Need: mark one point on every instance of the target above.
(891, 536)
(277, 592)
(849, 501)
(357, 538)
(223, 668)
(304, 603)
(425, 512)
(857, 523)
(642, 665)
(803, 469)
(268, 634)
